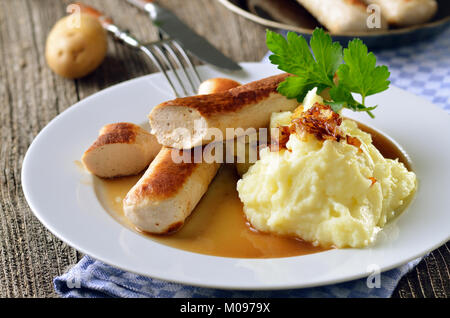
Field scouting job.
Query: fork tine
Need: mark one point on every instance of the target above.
(188, 60)
(185, 56)
(169, 64)
(180, 64)
(155, 60)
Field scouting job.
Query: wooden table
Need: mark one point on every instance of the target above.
(31, 95)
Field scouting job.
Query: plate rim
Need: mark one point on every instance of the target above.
(57, 233)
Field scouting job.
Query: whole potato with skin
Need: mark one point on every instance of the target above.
(74, 50)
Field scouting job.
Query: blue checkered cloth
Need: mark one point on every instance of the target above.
(423, 69)
(92, 278)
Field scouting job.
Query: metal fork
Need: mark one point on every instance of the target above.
(166, 54)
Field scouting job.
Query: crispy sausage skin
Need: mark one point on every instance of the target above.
(167, 193)
(121, 149)
(185, 123)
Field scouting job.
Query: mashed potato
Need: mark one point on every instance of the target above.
(326, 192)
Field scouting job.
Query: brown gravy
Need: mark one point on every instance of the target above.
(218, 226)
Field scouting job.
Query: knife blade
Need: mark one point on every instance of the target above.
(173, 27)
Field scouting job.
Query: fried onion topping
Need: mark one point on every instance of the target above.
(279, 142)
(354, 142)
(320, 121)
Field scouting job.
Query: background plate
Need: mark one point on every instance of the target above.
(62, 196)
(303, 23)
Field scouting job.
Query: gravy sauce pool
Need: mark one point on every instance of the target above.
(217, 226)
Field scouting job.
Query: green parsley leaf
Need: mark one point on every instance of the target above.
(295, 87)
(316, 67)
(328, 56)
(360, 73)
(343, 94)
(292, 55)
(336, 106)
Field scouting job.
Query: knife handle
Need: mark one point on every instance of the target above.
(141, 4)
(104, 20)
(109, 25)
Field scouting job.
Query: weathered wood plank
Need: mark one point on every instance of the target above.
(430, 278)
(30, 255)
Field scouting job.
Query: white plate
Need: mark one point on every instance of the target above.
(62, 196)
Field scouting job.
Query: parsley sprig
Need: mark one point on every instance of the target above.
(317, 66)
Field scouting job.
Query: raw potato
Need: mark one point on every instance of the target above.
(72, 51)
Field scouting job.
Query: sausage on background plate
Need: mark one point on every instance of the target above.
(341, 16)
(406, 12)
